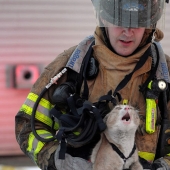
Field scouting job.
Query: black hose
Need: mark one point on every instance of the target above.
(33, 119)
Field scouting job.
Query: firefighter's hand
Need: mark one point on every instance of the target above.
(71, 163)
(160, 164)
(146, 165)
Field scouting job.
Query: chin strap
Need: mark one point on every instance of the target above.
(106, 39)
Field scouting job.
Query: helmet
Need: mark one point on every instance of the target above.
(129, 13)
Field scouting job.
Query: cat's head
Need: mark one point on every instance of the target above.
(122, 117)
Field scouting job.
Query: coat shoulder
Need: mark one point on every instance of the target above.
(61, 59)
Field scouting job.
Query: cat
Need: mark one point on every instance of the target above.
(122, 123)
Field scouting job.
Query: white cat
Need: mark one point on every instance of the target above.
(116, 149)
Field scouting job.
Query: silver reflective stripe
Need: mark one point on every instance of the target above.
(40, 108)
(42, 112)
(34, 145)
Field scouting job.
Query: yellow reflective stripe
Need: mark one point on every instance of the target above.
(34, 146)
(45, 103)
(42, 112)
(39, 116)
(168, 154)
(146, 155)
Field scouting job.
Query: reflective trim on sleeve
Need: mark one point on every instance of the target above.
(42, 113)
(168, 154)
(34, 146)
(147, 156)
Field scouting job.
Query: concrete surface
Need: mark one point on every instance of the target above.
(17, 163)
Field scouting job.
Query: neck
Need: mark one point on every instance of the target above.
(123, 140)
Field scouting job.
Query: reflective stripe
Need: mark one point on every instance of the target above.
(40, 107)
(146, 155)
(45, 103)
(42, 113)
(168, 154)
(34, 146)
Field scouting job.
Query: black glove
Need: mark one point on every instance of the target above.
(146, 165)
(160, 164)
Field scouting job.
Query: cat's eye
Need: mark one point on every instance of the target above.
(118, 108)
(132, 108)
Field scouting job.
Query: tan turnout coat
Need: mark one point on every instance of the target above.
(112, 69)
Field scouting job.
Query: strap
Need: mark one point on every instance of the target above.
(85, 93)
(76, 63)
(66, 119)
(63, 149)
(72, 105)
(153, 71)
(115, 148)
(110, 98)
(88, 119)
(140, 63)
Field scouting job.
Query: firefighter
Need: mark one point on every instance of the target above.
(127, 56)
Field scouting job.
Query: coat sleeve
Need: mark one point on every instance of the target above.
(168, 65)
(41, 153)
(167, 157)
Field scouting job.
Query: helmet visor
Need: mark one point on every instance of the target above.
(130, 13)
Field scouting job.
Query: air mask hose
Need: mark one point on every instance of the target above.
(52, 81)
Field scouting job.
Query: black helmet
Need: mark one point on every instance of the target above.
(129, 13)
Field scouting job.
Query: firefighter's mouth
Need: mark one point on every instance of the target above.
(123, 41)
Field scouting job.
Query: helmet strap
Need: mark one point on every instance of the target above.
(106, 39)
(153, 35)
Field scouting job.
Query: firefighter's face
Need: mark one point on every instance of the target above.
(125, 40)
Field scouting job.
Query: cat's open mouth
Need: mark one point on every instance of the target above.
(126, 118)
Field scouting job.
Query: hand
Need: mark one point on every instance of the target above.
(71, 163)
(160, 164)
(146, 165)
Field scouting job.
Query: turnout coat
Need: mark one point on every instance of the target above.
(112, 69)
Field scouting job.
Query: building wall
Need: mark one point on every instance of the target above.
(34, 32)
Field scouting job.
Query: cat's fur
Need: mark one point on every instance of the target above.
(122, 123)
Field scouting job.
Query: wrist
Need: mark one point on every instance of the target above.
(160, 164)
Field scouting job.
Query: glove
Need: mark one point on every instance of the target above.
(160, 164)
(146, 165)
(71, 163)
